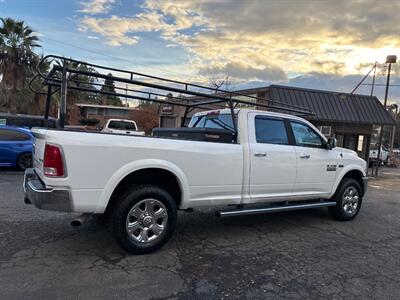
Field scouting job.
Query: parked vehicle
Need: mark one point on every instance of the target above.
(28, 121)
(373, 154)
(122, 127)
(276, 162)
(15, 147)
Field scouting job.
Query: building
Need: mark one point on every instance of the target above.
(94, 111)
(97, 115)
(348, 117)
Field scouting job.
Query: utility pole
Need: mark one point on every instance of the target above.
(373, 80)
(227, 83)
(390, 59)
(394, 107)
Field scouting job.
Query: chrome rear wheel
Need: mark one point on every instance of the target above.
(143, 218)
(147, 220)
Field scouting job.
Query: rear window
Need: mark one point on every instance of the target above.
(220, 121)
(122, 125)
(13, 135)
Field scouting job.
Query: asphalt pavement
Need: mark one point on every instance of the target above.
(292, 255)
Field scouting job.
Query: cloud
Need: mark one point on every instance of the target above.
(120, 30)
(264, 40)
(246, 72)
(96, 6)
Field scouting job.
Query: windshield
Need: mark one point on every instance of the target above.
(122, 125)
(220, 121)
(375, 146)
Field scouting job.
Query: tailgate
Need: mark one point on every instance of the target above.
(38, 150)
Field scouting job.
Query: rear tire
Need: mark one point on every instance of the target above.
(24, 161)
(348, 199)
(144, 219)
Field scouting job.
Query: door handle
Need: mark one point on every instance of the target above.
(305, 156)
(260, 153)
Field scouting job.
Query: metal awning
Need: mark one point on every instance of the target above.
(333, 106)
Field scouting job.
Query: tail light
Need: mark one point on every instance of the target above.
(53, 165)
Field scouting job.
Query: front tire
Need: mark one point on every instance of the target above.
(348, 199)
(144, 219)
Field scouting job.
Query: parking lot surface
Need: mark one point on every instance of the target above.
(296, 255)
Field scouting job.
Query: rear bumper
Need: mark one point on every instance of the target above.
(42, 197)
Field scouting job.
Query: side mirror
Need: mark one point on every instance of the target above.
(331, 143)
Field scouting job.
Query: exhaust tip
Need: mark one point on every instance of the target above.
(76, 223)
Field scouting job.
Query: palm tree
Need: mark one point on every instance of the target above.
(17, 58)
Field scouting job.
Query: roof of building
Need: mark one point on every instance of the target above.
(334, 106)
(104, 106)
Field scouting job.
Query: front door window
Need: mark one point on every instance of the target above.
(305, 136)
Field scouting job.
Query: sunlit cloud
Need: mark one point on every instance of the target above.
(263, 40)
(95, 6)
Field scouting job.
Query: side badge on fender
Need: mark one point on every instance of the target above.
(331, 168)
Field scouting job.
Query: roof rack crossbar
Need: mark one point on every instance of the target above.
(149, 94)
(83, 89)
(163, 87)
(193, 93)
(188, 92)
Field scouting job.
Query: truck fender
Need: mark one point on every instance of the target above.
(127, 169)
(342, 174)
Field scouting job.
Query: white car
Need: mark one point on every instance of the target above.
(276, 162)
(120, 126)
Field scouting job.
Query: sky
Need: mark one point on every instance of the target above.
(322, 44)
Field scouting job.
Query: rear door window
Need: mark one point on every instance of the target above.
(13, 135)
(270, 131)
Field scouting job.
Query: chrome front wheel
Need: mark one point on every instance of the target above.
(350, 200)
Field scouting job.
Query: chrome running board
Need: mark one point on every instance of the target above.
(262, 210)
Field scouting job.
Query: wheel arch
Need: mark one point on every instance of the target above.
(354, 173)
(160, 173)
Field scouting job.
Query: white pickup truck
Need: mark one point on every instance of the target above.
(373, 154)
(277, 162)
(120, 126)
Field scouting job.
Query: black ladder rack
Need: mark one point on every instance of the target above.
(64, 74)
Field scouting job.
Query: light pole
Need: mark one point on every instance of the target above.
(390, 59)
(395, 108)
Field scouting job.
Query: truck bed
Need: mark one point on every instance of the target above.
(93, 161)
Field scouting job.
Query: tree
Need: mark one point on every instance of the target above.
(17, 58)
(76, 96)
(109, 87)
(146, 116)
